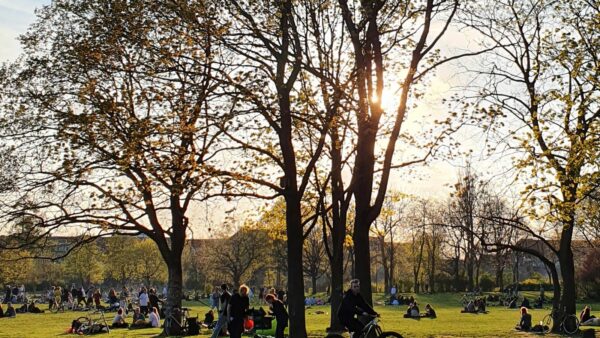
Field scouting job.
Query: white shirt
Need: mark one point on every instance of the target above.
(144, 299)
(154, 320)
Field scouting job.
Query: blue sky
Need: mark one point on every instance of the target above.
(15, 17)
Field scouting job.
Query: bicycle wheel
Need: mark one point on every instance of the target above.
(167, 326)
(547, 323)
(570, 324)
(390, 334)
(83, 319)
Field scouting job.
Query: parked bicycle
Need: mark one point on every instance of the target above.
(58, 307)
(371, 330)
(568, 323)
(176, 323)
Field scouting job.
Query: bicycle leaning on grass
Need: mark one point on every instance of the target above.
(568, 323)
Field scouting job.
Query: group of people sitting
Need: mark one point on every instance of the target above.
(475, 306)
(400, 300)
(413, 311)
(138, 319)
(310, 301)
(525, 324)
(10, 311)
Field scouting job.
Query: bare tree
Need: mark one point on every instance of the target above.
(314, 258)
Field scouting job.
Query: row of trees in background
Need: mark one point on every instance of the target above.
(418, 245)
(122, 115)
(117, 261)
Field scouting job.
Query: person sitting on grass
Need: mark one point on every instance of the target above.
(22, 309)
(469, 308)
(10, 311)
(34, 309)
(412, 311)
(209, 319)
(481, 305)
(525, 303)
(138, 319)
(119, 320)
(154, 318)
(430, 312)
(525, 323)
(586, 314)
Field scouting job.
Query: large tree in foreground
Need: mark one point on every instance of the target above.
(379, 31)
(108, 113)
(541, 97)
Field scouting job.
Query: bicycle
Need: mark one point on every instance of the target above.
(371, 330)
(172, 324)
(58, 306)
(568, 323)
(88, 324)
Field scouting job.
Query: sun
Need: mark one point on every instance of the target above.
(388, 100)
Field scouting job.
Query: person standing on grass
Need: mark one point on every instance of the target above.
(97, 295)
(224, 299)
(280, 314)
(57, 296)
(144, 299)
(214, 298)
(90, 296)
(238, 306)
(50, 296)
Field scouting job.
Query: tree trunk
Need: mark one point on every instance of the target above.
(314, 284)
(337, 290)
(174, 289)
(500, 277)
(362, 261)
(295, 275)
(338, 231)
(567, 270)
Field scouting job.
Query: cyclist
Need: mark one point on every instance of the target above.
(354, 304)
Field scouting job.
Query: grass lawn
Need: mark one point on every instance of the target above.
(499, 322)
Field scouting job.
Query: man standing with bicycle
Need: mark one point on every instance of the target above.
(354, 304)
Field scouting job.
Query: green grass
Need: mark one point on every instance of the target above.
(499, 322)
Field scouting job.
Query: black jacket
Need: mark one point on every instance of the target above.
(353, 305)
(280, 312)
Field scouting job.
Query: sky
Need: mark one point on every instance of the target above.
(15, 17)
(434, 180)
